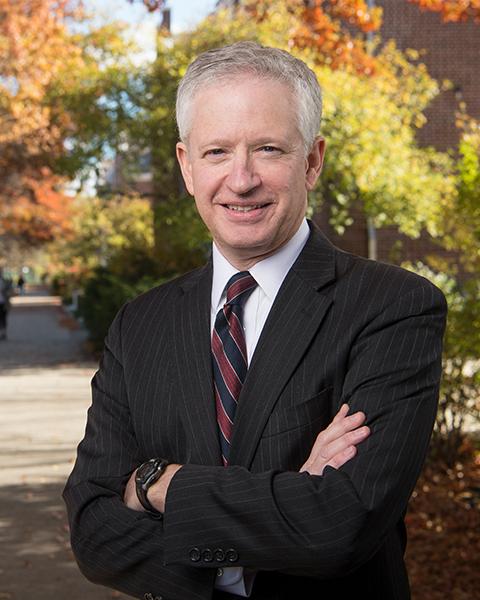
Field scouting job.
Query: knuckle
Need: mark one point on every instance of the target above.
(349, 453)
(351, 437)
(324, 452)
(355, 420)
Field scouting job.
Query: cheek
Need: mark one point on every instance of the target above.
(287, 175)
(291, 186)
(205, 182)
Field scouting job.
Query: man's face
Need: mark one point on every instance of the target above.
(245, 164)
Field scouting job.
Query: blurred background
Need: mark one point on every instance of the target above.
(93, 212)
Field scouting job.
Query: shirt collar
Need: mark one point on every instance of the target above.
(269, 273)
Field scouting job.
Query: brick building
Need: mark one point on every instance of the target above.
(452, 52)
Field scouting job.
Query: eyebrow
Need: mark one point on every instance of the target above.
(264, 141)
(213, 143)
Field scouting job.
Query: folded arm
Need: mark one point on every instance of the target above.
(328, 525)
(114, 545)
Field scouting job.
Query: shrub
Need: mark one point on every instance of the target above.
(104, 293)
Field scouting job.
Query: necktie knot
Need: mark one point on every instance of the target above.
(239, 287)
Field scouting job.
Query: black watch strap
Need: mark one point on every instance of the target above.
(147, 474)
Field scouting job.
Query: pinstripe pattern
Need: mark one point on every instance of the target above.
(341, 329)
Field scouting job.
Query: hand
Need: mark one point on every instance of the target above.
(156, 494)
(336, 444)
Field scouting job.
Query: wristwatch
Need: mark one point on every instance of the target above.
(146, 475)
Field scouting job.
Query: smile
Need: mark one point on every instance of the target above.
(245, 209)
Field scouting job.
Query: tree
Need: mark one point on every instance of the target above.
(329, 29)
(462, 232)
(64, 95)
(460, 388)
(108, 255)
(99, 104)
(35, 51)
(452, 10)
(101, 230)
(373, 160)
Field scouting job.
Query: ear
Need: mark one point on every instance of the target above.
(185, 166)
(314, 163)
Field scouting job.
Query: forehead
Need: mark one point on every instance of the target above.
(242, 103)
(244, 84)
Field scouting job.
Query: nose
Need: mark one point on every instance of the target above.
(242, 177)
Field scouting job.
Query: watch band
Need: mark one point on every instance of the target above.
(147, 474)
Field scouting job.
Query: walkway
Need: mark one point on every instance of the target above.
(44, 393)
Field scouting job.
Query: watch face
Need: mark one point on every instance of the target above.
(146, 470)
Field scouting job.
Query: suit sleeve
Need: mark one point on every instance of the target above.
(328, 526)
(114, 545)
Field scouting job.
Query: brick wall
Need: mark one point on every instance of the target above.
(452, 51)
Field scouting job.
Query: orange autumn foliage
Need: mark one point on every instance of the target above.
(329, 28)
(356, 13)
(452, 10)
(39, 212)
(35, 50)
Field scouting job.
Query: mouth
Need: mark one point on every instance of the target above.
(244, 208)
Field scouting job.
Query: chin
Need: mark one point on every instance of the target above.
(246, 244)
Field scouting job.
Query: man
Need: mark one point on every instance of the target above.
(219, 460)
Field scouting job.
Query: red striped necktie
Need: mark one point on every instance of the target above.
(230, 355)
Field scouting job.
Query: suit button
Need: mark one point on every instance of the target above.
(148, 596)
(219, 572)
(219, 554)
(194, 557)
(207, 555)
(231, 555)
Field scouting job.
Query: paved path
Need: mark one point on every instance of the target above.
(44, 393)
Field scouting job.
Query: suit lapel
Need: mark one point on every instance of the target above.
(193, 359)
(294, 319)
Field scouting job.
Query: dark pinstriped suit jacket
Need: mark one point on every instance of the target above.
(342, 329)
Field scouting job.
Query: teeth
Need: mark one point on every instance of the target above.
(243, 208)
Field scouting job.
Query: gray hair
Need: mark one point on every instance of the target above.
(250, 57)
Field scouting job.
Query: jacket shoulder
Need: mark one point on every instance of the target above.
(382, 280)
(167, 291)
(158, 303)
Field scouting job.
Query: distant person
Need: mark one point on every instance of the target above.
(21, 285)
(5, 293)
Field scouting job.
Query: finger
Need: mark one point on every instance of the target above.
(342, 457)
(352, 438)
(342, 412)
(317, 467)
(338, 428)
(343, 420)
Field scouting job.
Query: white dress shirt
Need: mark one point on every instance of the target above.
(269, 273)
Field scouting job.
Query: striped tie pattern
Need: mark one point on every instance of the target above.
(230, 355)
